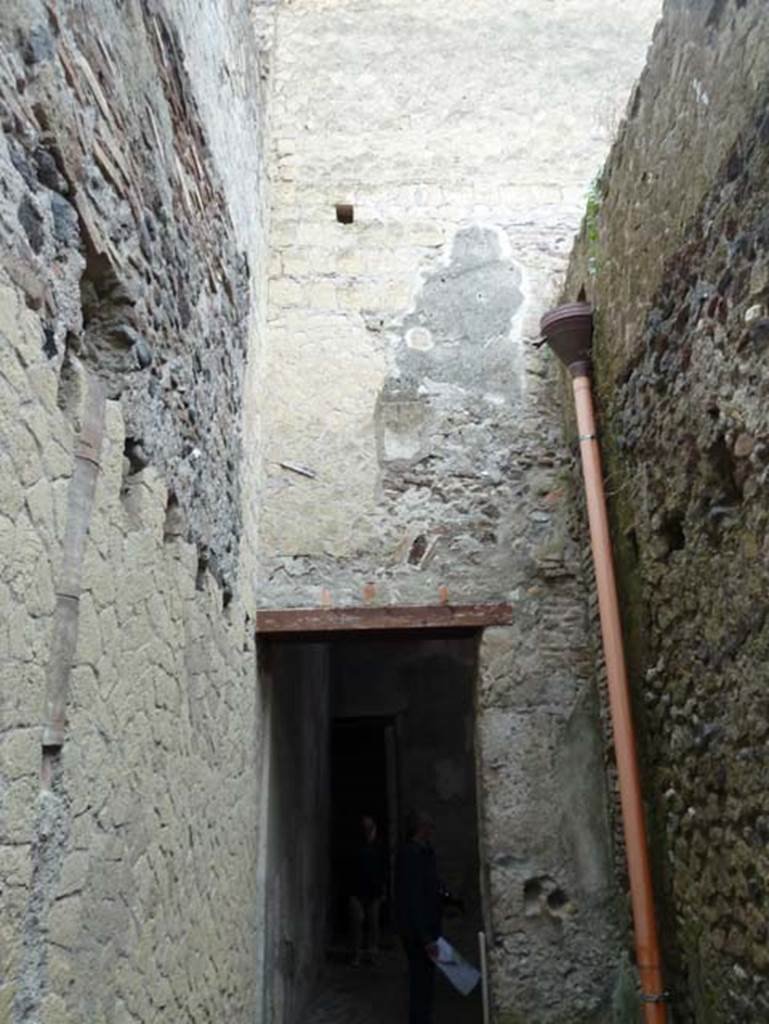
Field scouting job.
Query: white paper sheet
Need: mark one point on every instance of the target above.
(462, 975)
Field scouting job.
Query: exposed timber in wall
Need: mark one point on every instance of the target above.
(327, 620)
(66, 614)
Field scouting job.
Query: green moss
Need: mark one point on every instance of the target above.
(625, 1005)
(591, 232)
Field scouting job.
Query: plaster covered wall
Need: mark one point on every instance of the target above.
(129, 863)
(411, 439)
(295, 680)
(675, 256)
(398, 370)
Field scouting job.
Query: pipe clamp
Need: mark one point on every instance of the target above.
(663, 997)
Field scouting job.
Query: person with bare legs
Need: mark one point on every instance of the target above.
(367, 893)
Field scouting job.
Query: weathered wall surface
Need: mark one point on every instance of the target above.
(397, 369)
(675, 255)
(228, 55)
(296, 678)
(411, 439)
(129, 881)
(129, 870)
(557, 942)
(115, 171)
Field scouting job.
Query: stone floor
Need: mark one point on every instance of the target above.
(376, 994)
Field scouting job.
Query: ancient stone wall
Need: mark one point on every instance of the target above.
(426, 187)
(675, 255)
(128, 293)
(129, 878)
(118, 228)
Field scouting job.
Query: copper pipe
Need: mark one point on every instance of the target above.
(639, 871)
(568, 331)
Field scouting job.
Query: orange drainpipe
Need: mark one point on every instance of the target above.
(568, 330)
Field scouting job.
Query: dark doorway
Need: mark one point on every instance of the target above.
(363, 782)
(371, 724)
(402, 738)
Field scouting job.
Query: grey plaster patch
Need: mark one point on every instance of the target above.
(459, 329)
(585, 824)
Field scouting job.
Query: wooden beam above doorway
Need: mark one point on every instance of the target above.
(271, 621)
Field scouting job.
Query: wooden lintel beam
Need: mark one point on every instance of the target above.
(333, 620)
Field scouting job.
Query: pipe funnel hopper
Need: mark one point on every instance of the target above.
(568, 330)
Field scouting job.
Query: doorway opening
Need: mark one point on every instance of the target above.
(373, 724)
(402, 727)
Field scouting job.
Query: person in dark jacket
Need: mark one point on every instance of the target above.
(418, 910)
(368, 886)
